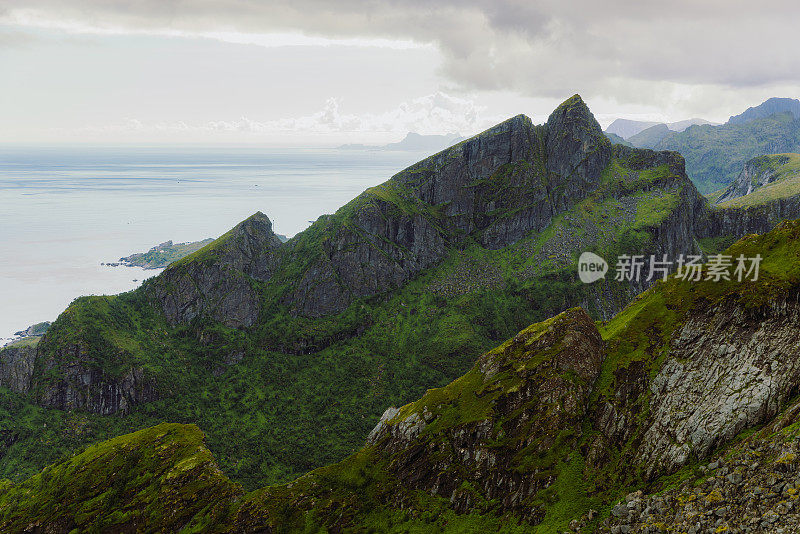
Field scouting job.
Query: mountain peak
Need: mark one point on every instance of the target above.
(576, 144)
(769, 107)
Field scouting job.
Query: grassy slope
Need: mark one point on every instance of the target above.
(786, 183)
(133, 469)
(307, 391)
(715, 154)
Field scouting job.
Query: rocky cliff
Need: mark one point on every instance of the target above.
(16, 367)
(761, 172)
(396, 292)
(218, 282)
(495, 188)
(677, 415)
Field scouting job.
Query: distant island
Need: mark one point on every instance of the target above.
(165, 253)
(412, 142)
(160, 255)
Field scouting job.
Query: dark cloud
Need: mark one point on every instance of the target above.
(616, 49)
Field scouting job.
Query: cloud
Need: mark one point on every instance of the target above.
(539, 48)
(437, 113)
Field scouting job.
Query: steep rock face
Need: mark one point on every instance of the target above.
(217, 282)
(577, 150)
(756, 173)
(79, 385)
(526, 397)
(751, 487)
(728, 369)
(16, 367)
(739, 221)
(495, 187)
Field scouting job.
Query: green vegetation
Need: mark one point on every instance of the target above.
(785, 168)
(163, 254)
(164, 477)
(716, 154)
(293, 393)
(29, 341)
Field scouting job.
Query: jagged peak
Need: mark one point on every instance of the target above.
(574, 111)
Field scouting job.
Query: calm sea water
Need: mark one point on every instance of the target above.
(63, 211)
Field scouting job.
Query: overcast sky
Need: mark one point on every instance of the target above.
(322, 72)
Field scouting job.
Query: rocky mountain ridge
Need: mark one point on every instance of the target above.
(632, 425)
(769, 107)
(397, 291)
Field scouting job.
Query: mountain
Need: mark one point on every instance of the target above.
(650, 137)
(617, 140)
(763, 179)
(716, 154)
(286, 354)
(772, 106)
(431, 143)
(678, 414)
(627, 128)
(412, 142)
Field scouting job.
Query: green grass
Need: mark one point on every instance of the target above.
(161, 256)
(786, 184)
(29, 341)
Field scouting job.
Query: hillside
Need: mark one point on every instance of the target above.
(767, 108)
(716, 154)
(650, 137)
(286, 354)
(763, 179)
(680, 409)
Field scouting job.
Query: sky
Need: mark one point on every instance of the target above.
(322, 73)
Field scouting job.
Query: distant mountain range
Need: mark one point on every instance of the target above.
(767, 108)
(413, 142)
(716, 153)
(627, 128)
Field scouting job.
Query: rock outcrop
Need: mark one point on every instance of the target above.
(727, 370)
(750, 487)
(16, 367)
(522, 400)
(217, 281)
(67, 380)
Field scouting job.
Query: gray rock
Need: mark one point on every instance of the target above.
(16, 367)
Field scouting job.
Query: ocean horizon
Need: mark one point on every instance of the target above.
(67, 209)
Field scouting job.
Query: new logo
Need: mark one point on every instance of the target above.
(591, 267)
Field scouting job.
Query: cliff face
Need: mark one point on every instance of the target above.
(16, 367)
(218, 282)
(495, 187)
(523, 400)
(756, 173)
(739, 221)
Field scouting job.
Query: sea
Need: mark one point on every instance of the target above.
(65, 210)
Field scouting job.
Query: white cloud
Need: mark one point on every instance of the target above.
(436, 113)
